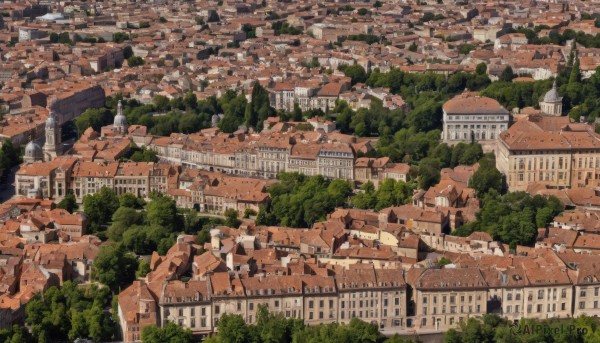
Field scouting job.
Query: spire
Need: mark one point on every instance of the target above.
(119, 108)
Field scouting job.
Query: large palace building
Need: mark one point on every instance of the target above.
(550, 151)
(469, 117)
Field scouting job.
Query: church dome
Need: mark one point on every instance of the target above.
(552, 95)
(33, 152)
(120, 120)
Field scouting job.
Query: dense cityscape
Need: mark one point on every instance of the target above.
(299, 171)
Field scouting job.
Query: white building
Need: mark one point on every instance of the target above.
(469, 117)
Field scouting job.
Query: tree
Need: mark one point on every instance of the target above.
(413, 47)
(169, 333)
(123, 219)
(94, 118)
(507, 74)
(127, 52)
(53, 37)
(114, 266)
(162, 212)
(429, 172)
(120, 37)
(99, 207)
(486, 178)
(64, 38)
(134, 61)
(68, 203)
(144, 155)
(131, 201)
(9, 155)
(356, 72)
(362, 11)
(143, 269)
(231, 218)
(481, 69)
(69, 313)
(233, 329)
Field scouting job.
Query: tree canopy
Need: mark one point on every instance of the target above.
(169, 333)
(68, 313)
(275, 328)
(512, 218)
(298, 200)
(114, 266)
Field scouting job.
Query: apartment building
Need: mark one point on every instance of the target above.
(187, 304)
(550, 151)
(445, 297)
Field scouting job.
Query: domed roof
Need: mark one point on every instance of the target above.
(552, 95)
(120, 120)
(33, 151)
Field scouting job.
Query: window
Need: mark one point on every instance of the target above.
(582, 304)
(539, 308)
(310, 304)
(582, 293)
(217, 309)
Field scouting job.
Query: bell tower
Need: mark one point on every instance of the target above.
(53, 138)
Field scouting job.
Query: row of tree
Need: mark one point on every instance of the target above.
(275, 328)
(491, 328)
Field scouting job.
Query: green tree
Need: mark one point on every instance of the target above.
(114, 266)
(94, 118)
(162, 212)
(68, 203)
(134, 61)
(507, 74)
(481, 69)
(356, 72)
(429, 172)
(486, 178)
(233, 329)
(127, 52)
(123, 219)
(143, 269)
(169, 333)
(53, 37)
(231, 218)
(99, 207)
